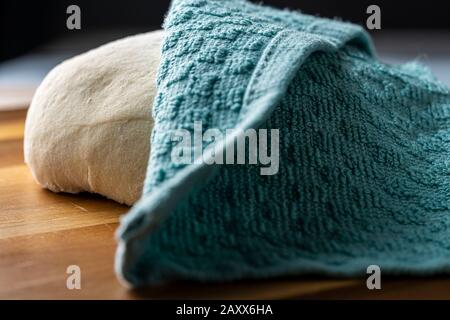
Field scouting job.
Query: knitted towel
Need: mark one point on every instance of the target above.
(364, 154)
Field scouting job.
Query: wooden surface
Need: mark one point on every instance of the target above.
(42, 233)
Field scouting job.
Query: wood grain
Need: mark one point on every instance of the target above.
(24, 214)
(42, 233)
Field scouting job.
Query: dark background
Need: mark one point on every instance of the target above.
(25, 25)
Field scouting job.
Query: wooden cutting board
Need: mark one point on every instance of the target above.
(42, 233)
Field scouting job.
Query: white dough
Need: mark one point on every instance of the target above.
(88, 127)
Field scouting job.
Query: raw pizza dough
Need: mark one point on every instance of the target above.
(89, 123)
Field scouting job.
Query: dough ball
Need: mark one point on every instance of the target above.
(88, 127)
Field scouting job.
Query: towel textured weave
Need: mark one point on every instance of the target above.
(364, 173)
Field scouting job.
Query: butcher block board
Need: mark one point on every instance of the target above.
(43, 233)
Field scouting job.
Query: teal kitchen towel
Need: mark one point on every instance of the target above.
(363, 175)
